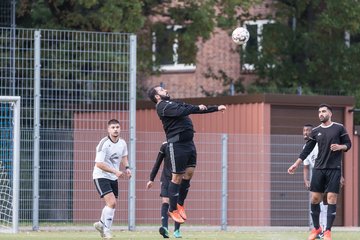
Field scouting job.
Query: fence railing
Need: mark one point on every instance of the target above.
(64, 77)
(59, 73)
(238, 182)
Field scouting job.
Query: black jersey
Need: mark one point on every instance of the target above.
(166, 173)
(335, 133)
(175, 117)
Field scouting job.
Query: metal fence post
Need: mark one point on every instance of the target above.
(13, 47)
(16, 157)
(132, 132)
(36, 136)
(224, 182)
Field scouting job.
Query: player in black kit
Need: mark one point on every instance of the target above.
(179, 132)
(164, 180)
(332, 139)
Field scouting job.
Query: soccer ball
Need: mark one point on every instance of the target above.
(240, 35)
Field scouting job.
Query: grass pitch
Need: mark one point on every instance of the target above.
(200, 235)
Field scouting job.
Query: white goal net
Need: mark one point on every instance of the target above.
(9, 163)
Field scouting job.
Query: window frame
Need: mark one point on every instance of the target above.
(259, 38)
(169, 68)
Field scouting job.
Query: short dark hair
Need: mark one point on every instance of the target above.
(151, 94)
(326, 105)
(113, 121)
(308, 125)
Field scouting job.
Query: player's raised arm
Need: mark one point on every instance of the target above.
(210, 109)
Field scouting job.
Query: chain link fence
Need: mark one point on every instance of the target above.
(71, 83)
(7, 13)
(57, 74)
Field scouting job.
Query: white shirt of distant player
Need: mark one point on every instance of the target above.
(110, 153)
(310, 160)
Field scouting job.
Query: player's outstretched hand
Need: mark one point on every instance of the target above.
(120, 174)
(221, 108)
(128, 173)
(292, 169)
(202, 107)
(149, 184)
(342, 181)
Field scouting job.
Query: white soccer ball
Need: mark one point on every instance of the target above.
(240, 35)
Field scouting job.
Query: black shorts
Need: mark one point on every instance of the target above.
(164, 185)
(182, 155)
(105, 186)
(325, 180)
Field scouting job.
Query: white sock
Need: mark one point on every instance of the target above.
(323, 215)
(107, 217)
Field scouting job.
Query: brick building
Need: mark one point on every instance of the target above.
(219, 52)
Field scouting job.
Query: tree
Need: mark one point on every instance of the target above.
(307, 47)
(230, 85)
(198, 19)
(91, 15)
(138, 16)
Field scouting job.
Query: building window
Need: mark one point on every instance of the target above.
(351, 39)
(166, 49)
(252, 49)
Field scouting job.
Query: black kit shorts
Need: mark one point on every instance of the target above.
(105, 186)
(325, 180)
(164, 185)
(182, 155)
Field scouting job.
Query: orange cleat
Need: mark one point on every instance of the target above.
(181, 210)
(327, 235)
(176, 216)
(314, 233)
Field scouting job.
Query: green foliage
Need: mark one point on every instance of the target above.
(306, 49)
(198, 18)
(309, 52)
(229, 10)
(313, 54)
(91, 15)
(230, 85)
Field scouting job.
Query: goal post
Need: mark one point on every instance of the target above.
(9, 163)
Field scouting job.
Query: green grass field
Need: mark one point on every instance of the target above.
(147, 235)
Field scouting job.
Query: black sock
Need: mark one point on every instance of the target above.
(331, 214)
(173, 195)
(184, 189)
(315, 213)
(177, 226)
(164, 214)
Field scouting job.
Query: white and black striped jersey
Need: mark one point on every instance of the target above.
(110, 153)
